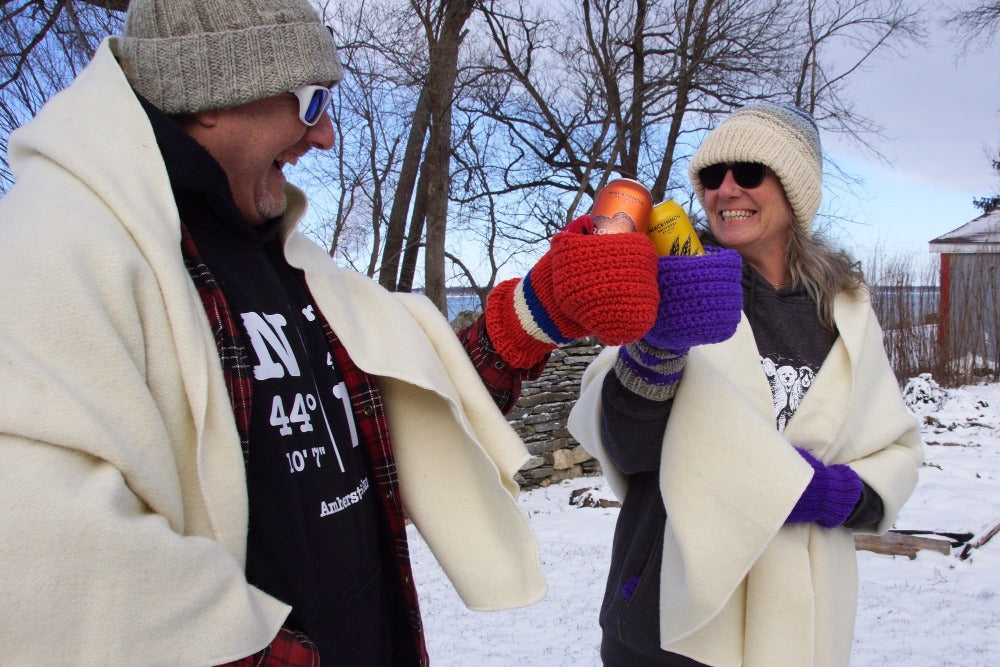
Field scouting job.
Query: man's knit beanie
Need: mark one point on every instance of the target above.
(186, 56)
(782, 137)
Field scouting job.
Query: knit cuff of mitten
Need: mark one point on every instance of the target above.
(701, 299)
(522, 328)
(606, 283)
(831, 495)
(649, 371)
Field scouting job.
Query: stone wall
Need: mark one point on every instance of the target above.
(541, 414)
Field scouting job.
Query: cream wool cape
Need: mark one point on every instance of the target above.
(738, 587)
(123, 531)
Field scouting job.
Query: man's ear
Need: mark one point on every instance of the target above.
(195, 122)
(206, 119)
(199, 125)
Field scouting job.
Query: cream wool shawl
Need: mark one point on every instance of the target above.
(738, 587)
(123, 533)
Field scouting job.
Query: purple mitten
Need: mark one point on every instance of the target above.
(700, 299)
(831, 495)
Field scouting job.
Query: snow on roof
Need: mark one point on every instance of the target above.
(979, 235)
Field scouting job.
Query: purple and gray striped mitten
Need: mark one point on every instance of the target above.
(701, 301)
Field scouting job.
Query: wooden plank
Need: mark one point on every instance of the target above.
(990, 534)
(899, 544)
(987, 536)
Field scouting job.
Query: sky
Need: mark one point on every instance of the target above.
(933, 610)
(941, 116)
(941, 120)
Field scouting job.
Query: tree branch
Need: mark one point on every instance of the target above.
(114, 5)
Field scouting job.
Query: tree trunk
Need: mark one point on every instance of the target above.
(636, 116)
(412, 251)
(396, 228)
(441, 78)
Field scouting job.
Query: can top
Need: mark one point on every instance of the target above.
(623, 205)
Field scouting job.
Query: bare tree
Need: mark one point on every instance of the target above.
(116, 5)
(354, 185)
(478, 219)
(396, 230)
(713, 56)
(468, 126)
(978, 24)
(856, 30)
(614, 88)
(43, 44)
(602, 88)
(444, 24)
(420, 179)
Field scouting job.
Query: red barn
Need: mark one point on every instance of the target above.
(970, 289)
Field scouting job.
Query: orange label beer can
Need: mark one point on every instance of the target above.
(623, 205)
(671, 231)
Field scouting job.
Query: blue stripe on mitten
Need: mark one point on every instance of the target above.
(531, 309)
(831, 495)
(522, 320)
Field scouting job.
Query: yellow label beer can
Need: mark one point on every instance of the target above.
(623, 205)
(671, 231)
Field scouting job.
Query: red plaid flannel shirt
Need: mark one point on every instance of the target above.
(288, 649)
(502, 380)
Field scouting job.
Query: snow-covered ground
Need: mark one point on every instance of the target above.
(933, 610)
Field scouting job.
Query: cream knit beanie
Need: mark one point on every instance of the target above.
(782, 137)
(186, 56)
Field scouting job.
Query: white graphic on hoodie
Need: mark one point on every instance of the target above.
(788, 387)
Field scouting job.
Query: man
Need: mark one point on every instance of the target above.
(209, 433)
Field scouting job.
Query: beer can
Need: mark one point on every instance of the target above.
(623, 205)
(671, 230)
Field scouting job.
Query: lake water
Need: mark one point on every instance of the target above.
(457, 304)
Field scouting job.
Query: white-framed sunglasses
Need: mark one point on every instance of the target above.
(313, 102)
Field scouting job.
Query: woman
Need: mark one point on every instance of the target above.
(748, 443)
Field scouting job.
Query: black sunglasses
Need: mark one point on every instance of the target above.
(747, 175)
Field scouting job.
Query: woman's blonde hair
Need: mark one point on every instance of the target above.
(823, 270)
(820, 268)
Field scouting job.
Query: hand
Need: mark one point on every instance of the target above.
(831, 495)
(701, 299)
(586, 284)
(606, 283)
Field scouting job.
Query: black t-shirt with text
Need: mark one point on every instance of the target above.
(316, 539)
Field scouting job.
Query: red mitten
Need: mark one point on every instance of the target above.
(606, 283)
(584, 285)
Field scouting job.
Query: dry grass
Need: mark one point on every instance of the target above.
(906, 299)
